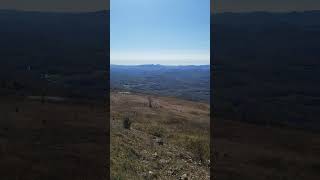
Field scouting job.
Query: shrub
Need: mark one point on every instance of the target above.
(127, 123)
(157, 131)
(199, 147)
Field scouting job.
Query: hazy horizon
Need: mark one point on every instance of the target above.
(160, 64)
(160, 32)
(101, 10)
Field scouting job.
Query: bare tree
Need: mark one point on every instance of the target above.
(150, 102)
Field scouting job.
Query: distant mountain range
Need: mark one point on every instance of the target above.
(54, 38)
(65, 53)
(267, 35)
(266, 64)
(267, 67)
(187, 82)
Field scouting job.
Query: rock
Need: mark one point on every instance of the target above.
(159, 141)
(184, 177)
(190, 160)
(144, 174)
(155, 154)
(163, 161)
(152, 175)
(174, 172)
(184, 156)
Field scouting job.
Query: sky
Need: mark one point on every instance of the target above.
(167, 32)
(160, 31)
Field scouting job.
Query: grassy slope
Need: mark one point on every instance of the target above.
(182, 125)
(69, 143)
(52, 140)
(246, 151)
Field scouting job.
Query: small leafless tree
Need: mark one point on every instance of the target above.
(150, 102)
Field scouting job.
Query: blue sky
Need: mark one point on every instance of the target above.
(171, 32)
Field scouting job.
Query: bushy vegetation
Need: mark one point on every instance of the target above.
(197, 144)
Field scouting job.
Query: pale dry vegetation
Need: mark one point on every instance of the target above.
(168, 139)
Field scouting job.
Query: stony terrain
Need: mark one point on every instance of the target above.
(158, 138)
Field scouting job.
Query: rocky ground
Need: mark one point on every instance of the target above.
(159, 138)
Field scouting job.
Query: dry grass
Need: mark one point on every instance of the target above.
(183, 126)
(52, 140)
(245, 151)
